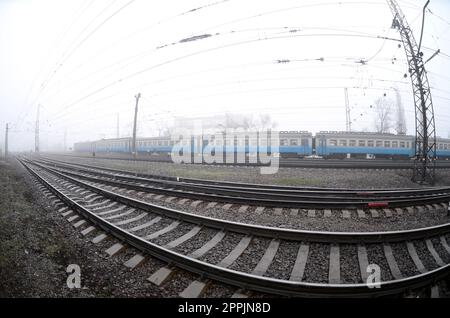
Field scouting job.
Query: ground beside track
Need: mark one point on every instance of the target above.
(37, 244)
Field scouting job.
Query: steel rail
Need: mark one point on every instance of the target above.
(250, 281)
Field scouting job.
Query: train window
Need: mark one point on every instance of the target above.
(445, 146)
(370, 143)
(283, 142)
(343, 142)
(407, 144)
(293, 142)
(440, 147)
(305, 142)
(379, 143)
(361, 143)
(387, 144)
(402, 144)
(333, 142)
(352, 143)
(395, 144)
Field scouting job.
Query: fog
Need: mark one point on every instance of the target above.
(84, 61)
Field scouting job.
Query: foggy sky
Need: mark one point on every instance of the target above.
(84, 61)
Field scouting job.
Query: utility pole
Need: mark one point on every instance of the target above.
(6, 141)
(117, 131)
(348, 120)
(134, 126)
(36, 133)
(425, 142)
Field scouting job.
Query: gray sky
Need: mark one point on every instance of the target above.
(84, 61)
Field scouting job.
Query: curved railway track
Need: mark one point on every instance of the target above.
(298, 163)
(255, 195)
(274, 260)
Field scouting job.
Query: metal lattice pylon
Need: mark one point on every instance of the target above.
(425, 143)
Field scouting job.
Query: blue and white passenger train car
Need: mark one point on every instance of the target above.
(292, 144)
(360, 144)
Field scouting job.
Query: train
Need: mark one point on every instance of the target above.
(292, 144)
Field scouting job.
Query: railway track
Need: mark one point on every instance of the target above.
(257, 195)
(251, 257)
(297, 163)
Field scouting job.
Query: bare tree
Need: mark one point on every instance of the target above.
(383, 112)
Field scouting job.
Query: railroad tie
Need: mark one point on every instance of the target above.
(240, 293)
(434, 292)
(243, 208)
(195, 204)
(363, 263)
(227, 206)
(165, 230)
(127, 221)
(410, 210)
(145, 225)
(236, 252)
(267, 258)
(374, 213)
(88, 230)
(169, 199)
(278, 211)
(72, 218)
(399, 211)
(361, 213)
(300, 263)
(79, 223)
(120, 208)
(113, 250)
(413, 253)
(161, 276)
(211, 205)
(334, 273)
(311, 213)
(63, 209)
(346, 214)
(134, 261)
(99, 238)
(260, 209)
(194, 231)
(420, 209)
(183, 201)
(67, 213)
(194, 290)
(435, 254)
(445, 245)
(116, 216)
(387, 212)
(208, 246)
(294, 212)
(393, 266)
(327, 213)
